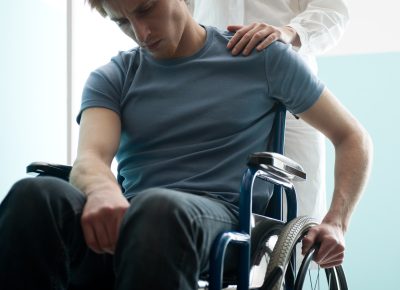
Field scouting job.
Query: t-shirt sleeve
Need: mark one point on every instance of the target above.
(104, 87)
(289, 78)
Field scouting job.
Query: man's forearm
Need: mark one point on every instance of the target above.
(352, 168)
(105, 204)
(91, 175)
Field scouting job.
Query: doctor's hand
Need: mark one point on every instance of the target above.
(101, 220)
(259, 36)
(331, 239)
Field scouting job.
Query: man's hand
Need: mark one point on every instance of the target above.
(101, 220)
(331, 239)
(259, 36)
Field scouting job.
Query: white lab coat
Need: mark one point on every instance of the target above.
(320, 24)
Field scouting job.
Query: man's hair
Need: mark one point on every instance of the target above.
(98, 5)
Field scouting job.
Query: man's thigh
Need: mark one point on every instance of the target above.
(174, 230)
(42, 237)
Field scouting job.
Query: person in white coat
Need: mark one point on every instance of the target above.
(312, 27)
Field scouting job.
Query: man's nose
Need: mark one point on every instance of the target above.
(141, 31)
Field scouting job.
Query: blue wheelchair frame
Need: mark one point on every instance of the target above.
(242, 237)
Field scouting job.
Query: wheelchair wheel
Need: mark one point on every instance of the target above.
(264, 236)
(282, 273)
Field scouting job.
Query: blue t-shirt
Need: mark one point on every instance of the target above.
(190, 123)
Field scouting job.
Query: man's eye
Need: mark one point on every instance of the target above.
(122, 22)
(145, 9)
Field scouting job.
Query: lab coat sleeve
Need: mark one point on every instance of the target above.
(320, 25)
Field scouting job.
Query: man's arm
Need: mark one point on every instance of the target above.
(353, 159)
(99, 137)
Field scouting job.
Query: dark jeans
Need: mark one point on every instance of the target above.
(164, 240)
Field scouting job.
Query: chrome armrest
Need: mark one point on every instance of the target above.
(277, 164)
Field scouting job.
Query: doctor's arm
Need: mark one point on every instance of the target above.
(318, 27)
(353, 159)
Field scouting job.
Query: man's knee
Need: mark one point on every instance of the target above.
(26, 192)
(32, 188)
(32, 195)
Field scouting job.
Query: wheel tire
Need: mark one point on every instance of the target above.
(290, 236)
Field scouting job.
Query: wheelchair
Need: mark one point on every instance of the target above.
(266, 243)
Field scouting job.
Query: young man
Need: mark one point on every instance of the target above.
(181, 115)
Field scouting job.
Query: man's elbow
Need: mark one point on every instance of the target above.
(361, 142)
(367, 145)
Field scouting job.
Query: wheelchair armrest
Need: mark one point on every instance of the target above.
(49, 169)
(277, 164)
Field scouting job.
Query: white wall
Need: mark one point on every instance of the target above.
(373, 28)
(33, 86)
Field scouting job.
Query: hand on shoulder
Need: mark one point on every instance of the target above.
(259, 36)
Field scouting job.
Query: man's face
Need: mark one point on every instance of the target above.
(157, 25)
